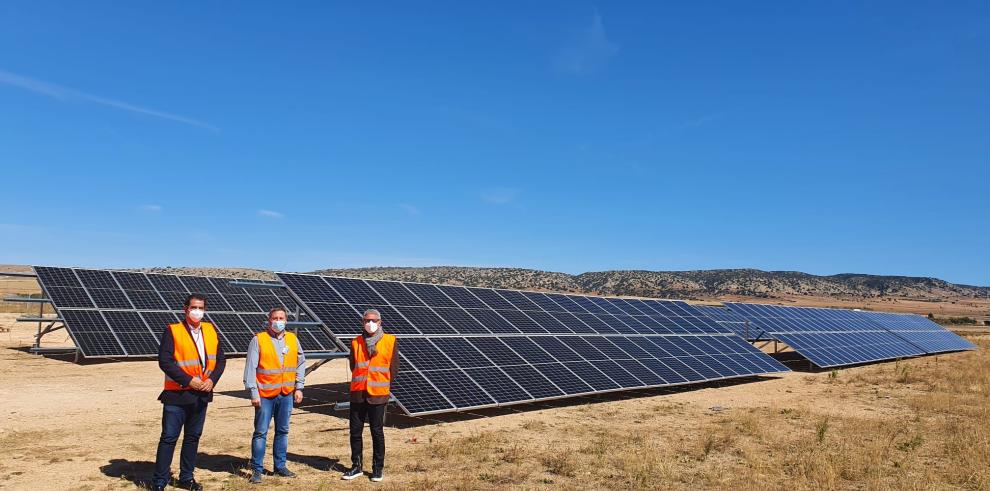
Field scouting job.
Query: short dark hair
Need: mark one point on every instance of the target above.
(195, 296)
(277, 309)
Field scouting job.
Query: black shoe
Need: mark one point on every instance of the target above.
(376, 475)
(355, 471)
(285, 473)
(191, 485)
(255, 477)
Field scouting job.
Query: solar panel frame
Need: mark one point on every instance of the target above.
(129, 313)
(828, 337)
(511, 335)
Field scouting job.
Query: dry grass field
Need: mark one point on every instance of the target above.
(915, 424)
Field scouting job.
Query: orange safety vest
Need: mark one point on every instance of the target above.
(187, 356)
(276, 378)
(372, 373)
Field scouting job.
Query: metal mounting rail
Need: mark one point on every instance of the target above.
(39, 319)
(255, 284)
(27, 299)
(18, 274)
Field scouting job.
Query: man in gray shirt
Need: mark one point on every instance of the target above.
(274, 372)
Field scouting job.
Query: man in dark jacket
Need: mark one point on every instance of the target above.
(192, 358)
(374, 364)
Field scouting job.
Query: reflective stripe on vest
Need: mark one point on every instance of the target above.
(187, 355)
(273, 377)
(372, 374)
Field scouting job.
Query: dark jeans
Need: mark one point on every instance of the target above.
(279, 407)
(374, 414)
(189, 419)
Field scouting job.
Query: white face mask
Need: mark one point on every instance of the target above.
(371, 327)
(196, 315)
(278, 326)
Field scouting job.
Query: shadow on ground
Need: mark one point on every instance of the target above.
(140, 472)
(321, 399)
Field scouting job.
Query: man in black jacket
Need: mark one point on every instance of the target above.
(193, 361)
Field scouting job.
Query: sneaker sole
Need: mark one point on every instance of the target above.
(348, 478)
(376, 479)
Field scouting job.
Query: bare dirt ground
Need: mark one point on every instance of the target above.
(917, 424)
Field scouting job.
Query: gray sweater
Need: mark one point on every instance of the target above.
(254, 356)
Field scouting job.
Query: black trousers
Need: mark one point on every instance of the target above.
(188, 418)
(374, 415)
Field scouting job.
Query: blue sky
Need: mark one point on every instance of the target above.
(824, 137)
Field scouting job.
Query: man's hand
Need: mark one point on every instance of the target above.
(256, 402)
(207, 385)
(196, 383)
(298, 396)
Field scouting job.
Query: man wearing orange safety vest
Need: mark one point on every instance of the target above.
(374, 363)
(274, 372)
(192, 359)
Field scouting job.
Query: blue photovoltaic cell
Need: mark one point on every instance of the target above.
(498, 385)
(431, 295)
(477, 347)
(123, 313)
(534, 382)
(395, 293)
(458, 388)
(829, 337)
(416, 395)
(920, 331)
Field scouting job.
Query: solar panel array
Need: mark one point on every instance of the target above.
(734, 322)
(828, 337)
(123, 314)
(920, 331)
(466, 348)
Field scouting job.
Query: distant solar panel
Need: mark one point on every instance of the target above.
(467, 348)
(828, 337)
(122, 314)
(920, 331)
(747, 329)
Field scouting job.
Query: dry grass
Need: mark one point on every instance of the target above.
(926, 426)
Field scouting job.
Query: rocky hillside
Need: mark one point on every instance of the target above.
(680, 284)
(662, 284)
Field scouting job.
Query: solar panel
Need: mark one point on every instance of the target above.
(738, 324)
(828, 337)
(123, 314)
(918, 330)
(465, 348)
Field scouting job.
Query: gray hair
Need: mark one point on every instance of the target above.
(372, 311)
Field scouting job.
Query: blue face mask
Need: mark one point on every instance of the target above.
(278, 326)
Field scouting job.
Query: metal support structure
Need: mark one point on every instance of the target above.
(38, 319)
(18, 274)
(346, 406)
(256, 284)
(46, 325)
(18, 299)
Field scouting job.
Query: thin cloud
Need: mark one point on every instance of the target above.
(499, 196)
(152, 208)
(410, 209)
(270, 214)
(588, 51)
(67, 94)
(701, 121)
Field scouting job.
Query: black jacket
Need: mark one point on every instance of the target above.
(166, 361)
